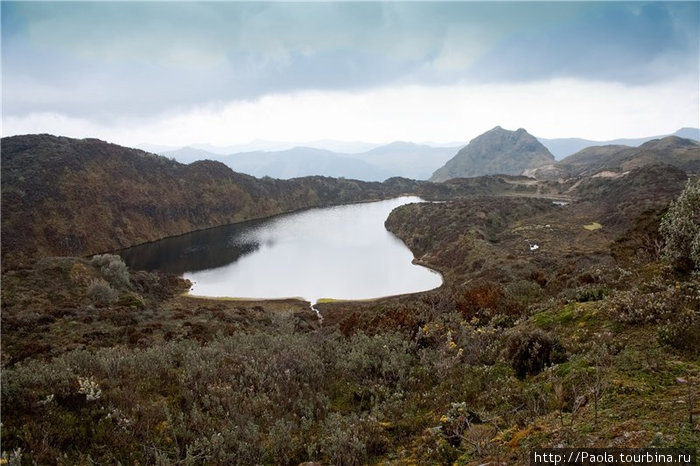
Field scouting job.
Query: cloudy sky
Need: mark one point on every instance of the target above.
(176, 73)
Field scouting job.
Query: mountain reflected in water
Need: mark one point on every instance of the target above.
(342, 252)
(192, 252)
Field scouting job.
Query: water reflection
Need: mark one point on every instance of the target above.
(199, 250)
(340, 252)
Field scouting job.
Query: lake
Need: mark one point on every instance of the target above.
(341, 252)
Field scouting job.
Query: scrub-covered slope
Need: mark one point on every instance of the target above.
(64, 196)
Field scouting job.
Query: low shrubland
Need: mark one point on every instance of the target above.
(563, 346)
(447, 388)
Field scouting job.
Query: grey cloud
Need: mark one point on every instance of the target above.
(104, 60)
(623, 42)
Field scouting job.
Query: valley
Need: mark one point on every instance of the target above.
(349, 233)
(544, 332)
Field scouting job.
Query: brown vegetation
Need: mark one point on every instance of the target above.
(64, 196)
(579, 342)
(612, 160)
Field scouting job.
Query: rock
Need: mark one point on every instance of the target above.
(497, 151)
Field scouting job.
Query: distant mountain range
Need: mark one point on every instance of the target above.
(405, 159)
(303, 161)
(343, 147)
(360, 160)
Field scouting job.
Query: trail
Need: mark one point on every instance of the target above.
(318, 313)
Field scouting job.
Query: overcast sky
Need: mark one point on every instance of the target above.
(225, 73)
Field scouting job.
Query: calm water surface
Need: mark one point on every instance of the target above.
(339, 252)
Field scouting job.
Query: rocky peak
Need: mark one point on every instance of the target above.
(497, 151)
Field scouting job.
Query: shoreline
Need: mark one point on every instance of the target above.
(254, 219)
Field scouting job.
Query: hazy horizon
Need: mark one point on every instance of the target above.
(226, 74)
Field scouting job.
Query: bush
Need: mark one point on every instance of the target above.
(102, 260)
(589, 293)
(456, 421)
(631, 307)
(380, 359)
(530, 351)
(681, 328)
(351, 440)
(113, 269)
(131, 300)
(682, 331)
(101, 293)
(680, 228)
(243, 399)
(524, 292)
(485, 299)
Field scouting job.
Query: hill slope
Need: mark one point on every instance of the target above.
(496, 151)
(671, 150)
(64, 196)
(580, 341)
(563, 147)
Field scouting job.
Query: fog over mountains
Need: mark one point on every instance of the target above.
(361, 160)
(404, 159)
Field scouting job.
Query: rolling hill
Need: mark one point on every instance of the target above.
(616, 159)
(563, 147)
(580, 341)
(64, 196)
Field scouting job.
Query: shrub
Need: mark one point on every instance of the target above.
(113, 269)
(588, 293)
(680, 228)
(351, 440)
(90, 388)
(101, 260)
(631, 307)
(456, 421)
(80, 274)
(383, 359)
(101, 293)
(529, 351)
(131, 300)
(682, 331)
(524, 292)
(485, 298)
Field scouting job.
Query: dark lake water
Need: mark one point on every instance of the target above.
(339, 252)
